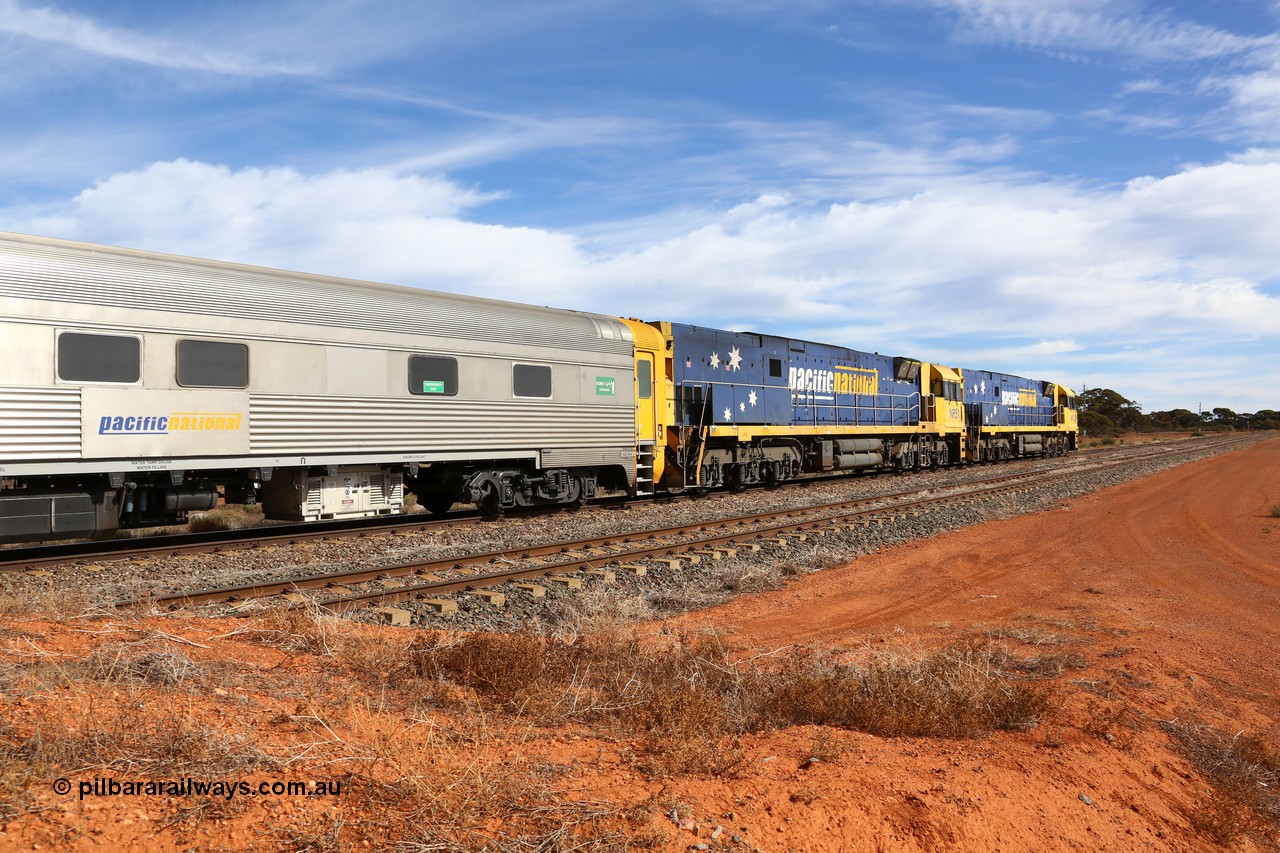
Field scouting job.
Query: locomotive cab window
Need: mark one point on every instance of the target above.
(212, 364)
(531, 380)
(99, 358)
(433, 375)
(775, 367)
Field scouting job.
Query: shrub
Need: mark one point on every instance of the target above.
(1244, 771)
(683, 699)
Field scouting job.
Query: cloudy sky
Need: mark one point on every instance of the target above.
(1079, 190)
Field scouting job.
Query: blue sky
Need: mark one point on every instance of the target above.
(1085, 191)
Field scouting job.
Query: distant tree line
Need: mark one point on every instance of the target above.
(1106, 412)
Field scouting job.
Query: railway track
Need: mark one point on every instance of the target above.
(637, 552)
(37, 557)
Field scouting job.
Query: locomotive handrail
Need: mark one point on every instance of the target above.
(908, 407)
(1022, 416)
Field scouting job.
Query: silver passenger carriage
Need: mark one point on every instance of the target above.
(136, 387)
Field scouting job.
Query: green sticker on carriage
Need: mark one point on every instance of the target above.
(432, 387)
(604, 386)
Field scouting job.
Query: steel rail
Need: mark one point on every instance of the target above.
(813, 517)
(26, 557)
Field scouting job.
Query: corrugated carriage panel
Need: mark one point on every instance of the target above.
(39, 423)
(317, 425)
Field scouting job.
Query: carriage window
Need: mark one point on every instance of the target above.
(775, 367)
(99, 358)
(644, 378)
(531, 380)
(433, 374)
(212, 364)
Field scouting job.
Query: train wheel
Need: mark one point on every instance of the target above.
(490, 503)
(734, 478)
(437, 504)
(769, 475)
(577, 496)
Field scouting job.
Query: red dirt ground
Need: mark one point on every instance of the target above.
(1168, 586)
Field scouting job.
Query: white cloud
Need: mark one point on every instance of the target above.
(1253, 102)
(1012, 275)
(1094, 26)
(83, 34)
(1243, 68)
(373, 224)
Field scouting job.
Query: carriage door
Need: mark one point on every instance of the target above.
(646, 401)
(647, 420)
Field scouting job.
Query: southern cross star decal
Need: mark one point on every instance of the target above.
(751, 398)
(715, 360)
(735, 359)
(728, 414)
(742, 407)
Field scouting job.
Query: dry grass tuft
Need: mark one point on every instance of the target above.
(309, 629)
(1113, 723)
(687, 701)
(962, 690)
(1046, 666)
(1244, 771)
(234, 517)
(102, 731)
(51, 599)
(162, 667)
(427, 787)
(1031, 635)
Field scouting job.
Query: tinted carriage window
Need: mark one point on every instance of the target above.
(531, 380)
(99, 358)
(433, 375)
(644, 378)
(213, 364)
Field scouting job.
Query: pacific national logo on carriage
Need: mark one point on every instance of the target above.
(170, 423)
